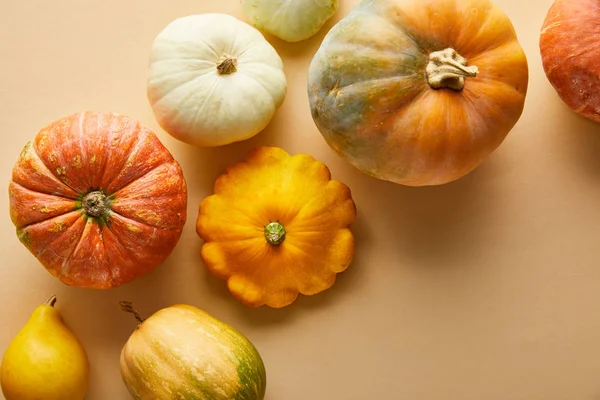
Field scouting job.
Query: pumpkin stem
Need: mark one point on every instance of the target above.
(51, 301)
(448, 69)
(128, 307)
(227, 65)
(95, 204)
(275, 233)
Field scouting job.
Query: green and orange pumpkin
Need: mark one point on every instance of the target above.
(418, 92)
(182, 352)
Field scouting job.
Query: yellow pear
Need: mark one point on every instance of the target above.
(45, 360)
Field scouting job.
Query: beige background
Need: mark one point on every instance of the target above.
(483, 289)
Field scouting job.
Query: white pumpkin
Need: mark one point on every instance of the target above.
(290, 20)
(214, 80)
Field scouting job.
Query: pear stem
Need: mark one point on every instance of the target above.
(51, 301)
(128, 307)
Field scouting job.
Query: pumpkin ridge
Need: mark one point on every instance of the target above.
(63, 267)
(253, 79)
(138, 143)
(204, 42)
(19, 172)
(127, 219)
(347, 197)
(400, 27)
(232, 49)
(310, 257)
(473, 56)
(250, 256)
(108, 257)
(115, 194)
(177, 74)
(199, 39)
(46, 194)
(241, 53)
(294, 230)
(401, 16)
(157, 100)
(48, 219)
(171, 363)
(294, 285)
(491, 81)
(52, 173)
(489, 8)
(348, 46)
(111, 270)
(282, 6)
(400, 111)
(110, 153)
(206, 101)
(80, 129)
(125, 363)
(25, 236)
(117, 238)
(477, 109)
(409, 100)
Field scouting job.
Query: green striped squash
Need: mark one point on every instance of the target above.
(182, 352)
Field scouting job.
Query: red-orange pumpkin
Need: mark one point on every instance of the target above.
(98, 199)
(570, 48)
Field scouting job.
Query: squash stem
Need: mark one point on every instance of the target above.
(227, 65)
(95, 204)
(275, 233)
(128, 307)
(447, 70)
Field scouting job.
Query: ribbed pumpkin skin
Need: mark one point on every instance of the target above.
(570, 50)
(181, 352)
(296, 191)
(98, 152)
(371, 101)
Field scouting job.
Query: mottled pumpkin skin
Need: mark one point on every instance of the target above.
(296, 191)
(570, 51)
(371, 101)
(181, 352)
(98, 152)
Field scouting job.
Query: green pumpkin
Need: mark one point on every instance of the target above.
(181, 352)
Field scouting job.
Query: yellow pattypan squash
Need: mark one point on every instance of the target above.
(277, 225)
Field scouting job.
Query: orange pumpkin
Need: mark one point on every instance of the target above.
(418, 92)
(277, 225)
(569, 49)
(97, 199)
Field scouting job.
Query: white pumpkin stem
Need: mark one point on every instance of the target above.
(128, 307)
(447, 70)
(227, 65)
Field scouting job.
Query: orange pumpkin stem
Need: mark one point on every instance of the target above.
(95, 204)
(227, 65)
(447, 70)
